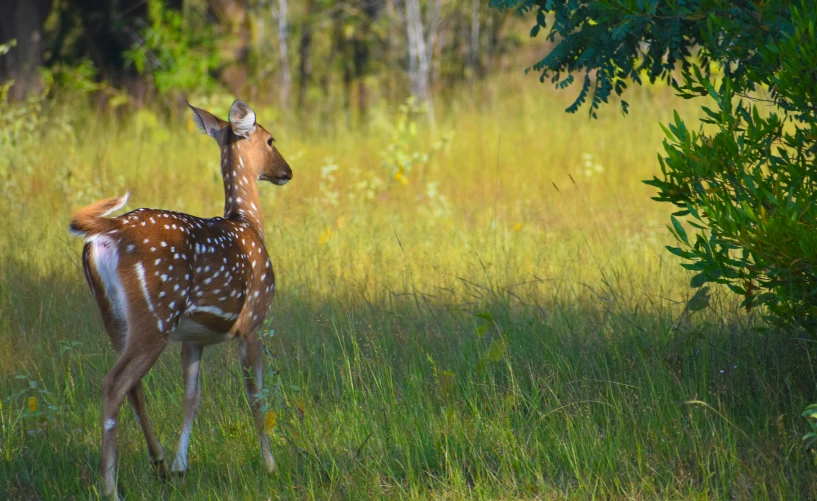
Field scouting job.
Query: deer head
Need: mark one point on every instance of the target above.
(261, 159)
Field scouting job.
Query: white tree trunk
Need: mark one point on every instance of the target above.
(280, 15)
(421, 45)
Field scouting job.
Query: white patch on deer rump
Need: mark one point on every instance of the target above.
(105, 260)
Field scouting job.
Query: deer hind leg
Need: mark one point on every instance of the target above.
(117, 331)
(191, 360)
(157, 456)
(252, 363)
(138, 356)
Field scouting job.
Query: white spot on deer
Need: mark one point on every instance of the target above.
(140, 272)
(216, 311)
(110, 424)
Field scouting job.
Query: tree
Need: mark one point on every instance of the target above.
(421, 38)
(22, 21)
(745, 185)
(280, 15)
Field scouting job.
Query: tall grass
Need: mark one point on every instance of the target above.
(500, 322)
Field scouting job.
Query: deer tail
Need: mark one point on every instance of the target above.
(91, 220)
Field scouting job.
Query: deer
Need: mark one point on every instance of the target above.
(160, 276)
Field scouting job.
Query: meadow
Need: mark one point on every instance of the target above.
(478, 308)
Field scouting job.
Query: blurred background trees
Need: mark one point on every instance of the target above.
(299, 55)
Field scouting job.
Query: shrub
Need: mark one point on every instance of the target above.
(743, 179)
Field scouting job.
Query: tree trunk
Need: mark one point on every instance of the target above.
(473, 56)
(283, 50)
(421, 47)
(305, 49)
(22, 20)
(361, 49)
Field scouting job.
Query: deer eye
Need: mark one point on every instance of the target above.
(269, 142)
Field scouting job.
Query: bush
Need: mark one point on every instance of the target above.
(744, 179)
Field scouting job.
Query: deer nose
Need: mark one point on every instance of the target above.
(286, 176)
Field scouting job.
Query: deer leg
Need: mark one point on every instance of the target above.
(157, 456)
(252, 362)
(136, 359)
(191, 360)
(137, 399)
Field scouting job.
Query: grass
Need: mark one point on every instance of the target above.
(514, 330)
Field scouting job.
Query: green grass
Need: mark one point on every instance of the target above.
(588, 382)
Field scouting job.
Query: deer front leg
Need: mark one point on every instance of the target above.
(191, 360)
(252, 363)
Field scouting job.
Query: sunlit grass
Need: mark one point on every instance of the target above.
(575, 383)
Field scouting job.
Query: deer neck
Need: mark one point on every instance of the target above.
(241, 200)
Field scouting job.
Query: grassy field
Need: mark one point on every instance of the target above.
(499, 322)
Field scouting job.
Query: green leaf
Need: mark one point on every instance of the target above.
(698, 280)
(497, 349)
(682, 234)
(482, 329)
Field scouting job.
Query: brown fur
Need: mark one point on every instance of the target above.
(88, 220)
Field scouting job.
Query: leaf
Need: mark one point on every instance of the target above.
(682, 234)
(485, 316)
(698, 280)
(482, 329)
(497, 349)
(700, 300)
(678, 252)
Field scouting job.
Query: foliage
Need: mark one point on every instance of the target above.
(23, 125)
(5, 86)
(407, 152)
(179, 56)
(745, 178)
(810, 438)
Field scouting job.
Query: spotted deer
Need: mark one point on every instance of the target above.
(161, 276)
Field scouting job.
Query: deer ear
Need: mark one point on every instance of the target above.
(242, 118)
(206, 122)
